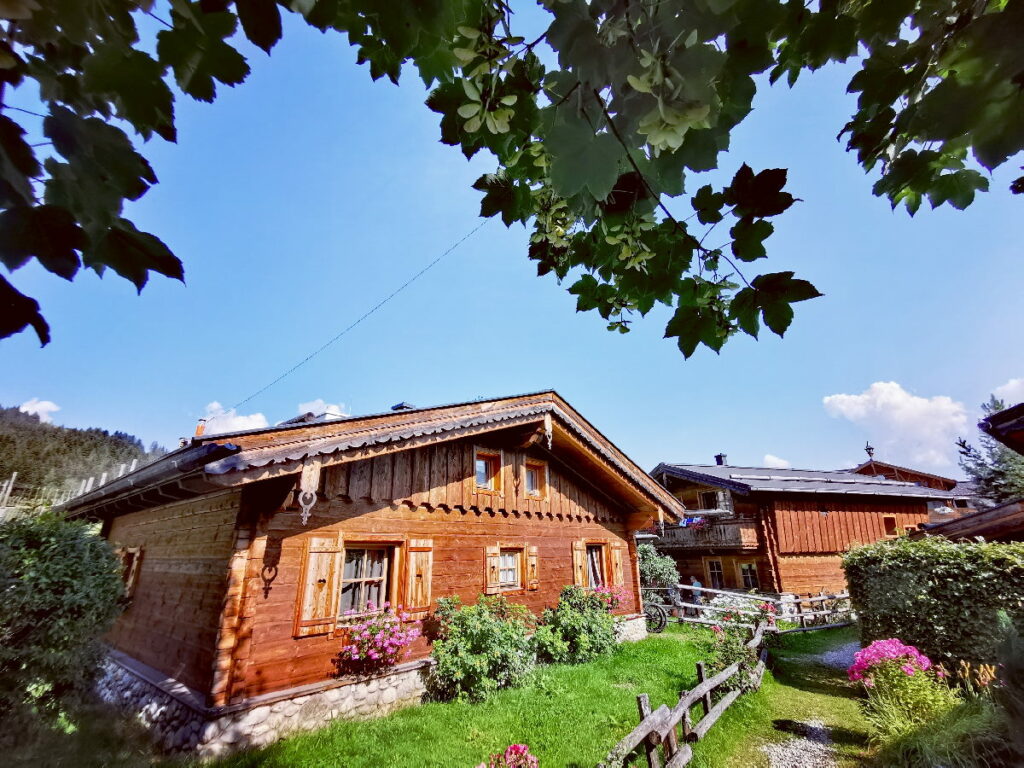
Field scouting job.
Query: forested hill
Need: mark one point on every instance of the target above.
(47, 455)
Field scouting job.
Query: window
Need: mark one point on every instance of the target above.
(708, 499)
(130, 558)
(364, 583)
(716, 577)
(536, 479)
(509, 569)
(488, 471)
(748, 576)
(595, 566)
(891, 529)
(960, 503)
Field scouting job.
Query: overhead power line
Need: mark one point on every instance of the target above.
(362, 317)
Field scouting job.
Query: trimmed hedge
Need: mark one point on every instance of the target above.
(941, 596)
(60, 590)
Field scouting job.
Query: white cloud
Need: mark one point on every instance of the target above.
(1011, 393)
(774, 462)
(904, 427)
(220, 420)
(44, 409)
(320, 406)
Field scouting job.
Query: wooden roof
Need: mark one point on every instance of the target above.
(903, 473)
(1006, 426)
(247, 456)
(1005, 522)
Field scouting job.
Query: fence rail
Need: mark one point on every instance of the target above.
(789, 607)
(667, 734)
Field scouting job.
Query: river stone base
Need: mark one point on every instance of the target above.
(179, 723)
(631, 629)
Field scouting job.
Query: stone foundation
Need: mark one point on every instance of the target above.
(631, 629)
(178, 722)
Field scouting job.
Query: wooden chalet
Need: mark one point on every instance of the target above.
(962, 503)
(244, 551)
(782, 530)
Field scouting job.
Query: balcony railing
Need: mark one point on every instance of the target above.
(740, 534)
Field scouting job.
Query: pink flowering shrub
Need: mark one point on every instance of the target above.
(613, 596)
(376, 642)
(910, 660)
(515, 756)
(904, 689)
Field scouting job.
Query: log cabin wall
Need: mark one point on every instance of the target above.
(811, 574)
(171, 623)
(424, 506)
(700, 564)
(801, 526)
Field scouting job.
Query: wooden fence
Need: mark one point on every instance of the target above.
(666, 735)
(809, 612)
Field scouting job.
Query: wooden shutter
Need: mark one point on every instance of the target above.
(131, 578)
(492, 570)
(618, 572)
(419, 573)
(317, 610)
(532, 572)
(579, 563)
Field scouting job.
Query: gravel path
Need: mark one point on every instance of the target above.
(812, 748)
(838, 658)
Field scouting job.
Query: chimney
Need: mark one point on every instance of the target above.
(200, 427)
(720, 459)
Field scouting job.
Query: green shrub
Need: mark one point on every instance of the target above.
(60, 591)
(657, 571)
(577, 630)
(480, 648)
(966, 735)
(942, 597)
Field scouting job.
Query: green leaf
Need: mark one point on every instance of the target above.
(17, 164)
(957, 188)
(581, 159)
(198, 54)
(748, 236)
(758, 195)
(133, 254)
(47, 232)
(261, 22)
(511, 199)
(134, 80)
(776, 291)
(18, 311)
(708, 205)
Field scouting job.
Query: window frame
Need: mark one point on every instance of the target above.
(541, 468)
(700, 499)
(602, 559)
(393, 554)
(130, 558)
(710, 577)
(496, 461)
(517, 553)
(741, 582)
(895, 528)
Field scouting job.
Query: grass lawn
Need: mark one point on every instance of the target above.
(570, 716)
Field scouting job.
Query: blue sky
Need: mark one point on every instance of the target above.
(301, 198)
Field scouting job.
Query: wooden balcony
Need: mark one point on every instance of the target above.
(736, 534)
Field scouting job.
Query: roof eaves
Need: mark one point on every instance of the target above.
(700, 477)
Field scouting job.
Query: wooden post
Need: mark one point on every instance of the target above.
(800, 612)
(7, 491)
(643, 703)
(705, 700)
